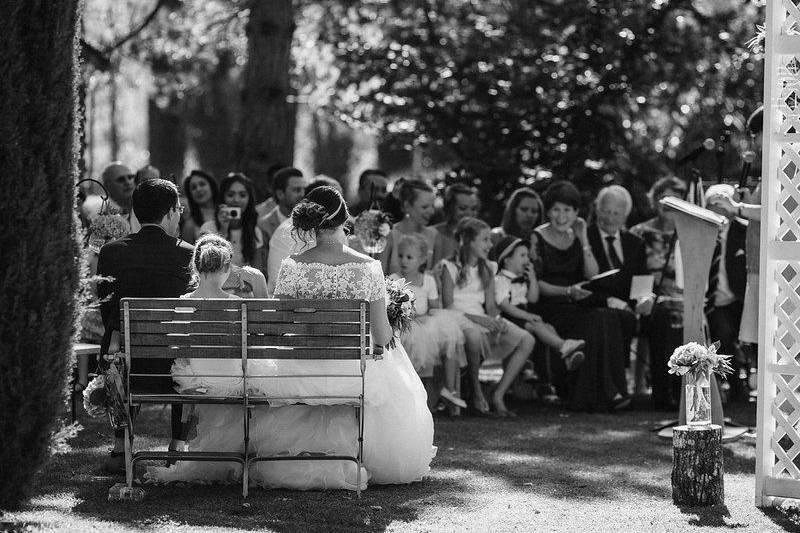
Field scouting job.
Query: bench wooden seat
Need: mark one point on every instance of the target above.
(156, 331)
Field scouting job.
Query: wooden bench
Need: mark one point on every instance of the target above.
(165, 329)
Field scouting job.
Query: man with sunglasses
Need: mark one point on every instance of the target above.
(119, 182)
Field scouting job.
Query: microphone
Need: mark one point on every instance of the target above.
(747, 161)
(708, 144)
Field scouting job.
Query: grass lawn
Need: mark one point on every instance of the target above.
(548, 470)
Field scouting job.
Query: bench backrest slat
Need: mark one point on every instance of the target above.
(277, 329)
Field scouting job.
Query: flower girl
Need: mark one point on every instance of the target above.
(435, 336)
(468, 286)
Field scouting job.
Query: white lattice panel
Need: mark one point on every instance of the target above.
(778, 445)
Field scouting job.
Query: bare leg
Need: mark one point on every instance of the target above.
(545, 333)
(451, 370)
(513, 367)
(473, 348)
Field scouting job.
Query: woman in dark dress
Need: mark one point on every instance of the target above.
(563, 261)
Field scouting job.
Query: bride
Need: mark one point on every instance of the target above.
(398, 427)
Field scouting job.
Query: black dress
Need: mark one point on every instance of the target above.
(607, 332)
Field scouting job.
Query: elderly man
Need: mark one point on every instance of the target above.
(614, 246)
(372, 188)
(119, 181)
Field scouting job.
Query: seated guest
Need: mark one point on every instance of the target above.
(119, 182)
(285, 242)
(416, 203)
(289, 186)
(372, 189)
(460, 201)
(517, 291)
(202, 194)
(564, 260)
(612, 245)
(435, 337)
(468, 287)
(236, 221)
(269, 204)
(147, 172)
(151, 263)
(727, 279)
(522, 214)
(663, 330)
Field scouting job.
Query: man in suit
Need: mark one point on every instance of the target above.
(612, 245)
(727, 280)
(151, 263)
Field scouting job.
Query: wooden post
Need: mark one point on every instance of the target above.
(697, 467)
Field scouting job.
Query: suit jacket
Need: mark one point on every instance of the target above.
(736, 258)
(146, 264)
(634, 259)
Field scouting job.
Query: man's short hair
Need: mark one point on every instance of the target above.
(615, 191)
(153, 199)
(362, 178)
(323, 181)
(282, 177)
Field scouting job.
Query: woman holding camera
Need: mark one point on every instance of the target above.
(202, 195)
(236, 221)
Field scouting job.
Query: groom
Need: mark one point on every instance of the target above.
(151, 263)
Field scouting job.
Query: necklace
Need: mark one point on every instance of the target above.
(329, 242)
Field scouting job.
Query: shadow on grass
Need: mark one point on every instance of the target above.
(545, 454)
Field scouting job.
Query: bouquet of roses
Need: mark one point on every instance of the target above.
(400, 307)
(104, 395)
(371, 227)
(693, 357)
(107, 228)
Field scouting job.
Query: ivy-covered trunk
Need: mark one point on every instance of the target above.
(38, 245)
(267, 120)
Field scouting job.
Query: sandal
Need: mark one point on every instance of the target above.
(574, 360)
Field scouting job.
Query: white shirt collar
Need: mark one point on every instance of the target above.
(603, 234)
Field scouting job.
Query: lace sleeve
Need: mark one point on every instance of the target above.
(287, 283)
(376, 284)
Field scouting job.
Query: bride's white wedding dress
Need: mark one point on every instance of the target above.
(398, 427)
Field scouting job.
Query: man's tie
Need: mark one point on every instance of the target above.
(616, 262)
(713, 275)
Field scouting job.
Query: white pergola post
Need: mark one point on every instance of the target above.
(778, 441)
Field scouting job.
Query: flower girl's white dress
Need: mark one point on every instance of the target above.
(398, 428)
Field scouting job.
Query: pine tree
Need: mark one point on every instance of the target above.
(39, 253)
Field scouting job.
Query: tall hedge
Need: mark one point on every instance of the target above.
(38, 245)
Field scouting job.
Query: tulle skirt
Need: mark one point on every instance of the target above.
(433, 338)
(398, 427)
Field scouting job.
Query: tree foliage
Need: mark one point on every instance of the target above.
(40, 253)
(519, 91)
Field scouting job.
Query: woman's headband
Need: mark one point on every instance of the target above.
(333, 215)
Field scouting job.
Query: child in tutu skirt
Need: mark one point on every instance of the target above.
(436, 337)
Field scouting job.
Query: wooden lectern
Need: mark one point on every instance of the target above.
(697, 233)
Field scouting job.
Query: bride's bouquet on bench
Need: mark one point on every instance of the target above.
(400, 307)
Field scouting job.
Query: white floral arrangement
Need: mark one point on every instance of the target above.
(106, 228)
(371, 228)
(400, 307)
(693, 357)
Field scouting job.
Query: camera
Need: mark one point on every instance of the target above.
(234, 213)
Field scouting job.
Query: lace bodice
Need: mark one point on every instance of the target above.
(356, 281)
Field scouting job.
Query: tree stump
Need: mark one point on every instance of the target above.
(697, 468)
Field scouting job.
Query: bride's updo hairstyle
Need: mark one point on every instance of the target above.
(321, 209)
(212, 254)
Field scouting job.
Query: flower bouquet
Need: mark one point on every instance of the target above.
(104, 395)
(107, 228)
(400, 307)
(697, 363)
(371, 228)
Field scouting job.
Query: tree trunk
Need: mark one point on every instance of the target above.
(267, 123)
(167, 140)
(697, 469)
(38, 230)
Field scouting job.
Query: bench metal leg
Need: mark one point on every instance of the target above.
(128, 457)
